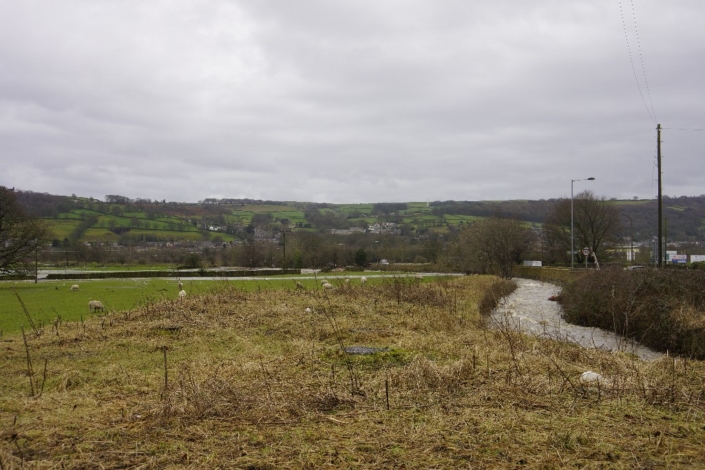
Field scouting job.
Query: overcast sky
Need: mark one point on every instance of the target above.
(351, 100)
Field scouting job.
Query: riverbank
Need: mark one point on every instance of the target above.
(529, 309)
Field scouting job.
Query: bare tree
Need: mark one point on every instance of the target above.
(596, 225)
(494, 245)
(20, 236)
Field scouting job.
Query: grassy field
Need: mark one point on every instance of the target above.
(51, 299)
(170, 227)
(62, 228)
(249, 379)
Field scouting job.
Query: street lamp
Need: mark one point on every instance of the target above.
(284, 232)
(631, 237)
(572, 249)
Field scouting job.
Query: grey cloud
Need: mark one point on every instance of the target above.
(346, 101)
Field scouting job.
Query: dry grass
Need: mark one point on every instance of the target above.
(255, 382)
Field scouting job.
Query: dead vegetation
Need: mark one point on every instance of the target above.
(234, 379)
(660, 308)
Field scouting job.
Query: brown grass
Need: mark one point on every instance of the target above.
(254, 382)
(498, 290)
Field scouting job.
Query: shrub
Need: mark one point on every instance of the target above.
(662, 309)
(496, 292)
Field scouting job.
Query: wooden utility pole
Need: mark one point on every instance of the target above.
(659, 263)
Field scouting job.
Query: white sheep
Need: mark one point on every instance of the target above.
(308, 310)
(327, 286)
(324, 281)
(347, 280)
(363, 280)
(182, 294)
(95, 305)
(74, 287)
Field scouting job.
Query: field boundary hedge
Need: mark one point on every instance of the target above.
(549, 274)
(147, 274)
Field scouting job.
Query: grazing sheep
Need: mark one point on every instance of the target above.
(95, 305)
(363, 280)
(324, 281)
(327, 286)
(347, 280)
(308, 310)
(74, 287)
(182, 294)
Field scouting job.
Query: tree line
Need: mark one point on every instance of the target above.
(494, 244)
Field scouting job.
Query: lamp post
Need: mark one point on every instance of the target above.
(572, 238)
(631, 238)
(284, 232)
(36, 266)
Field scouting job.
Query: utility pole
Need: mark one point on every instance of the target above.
(631, 238)
(659, 263)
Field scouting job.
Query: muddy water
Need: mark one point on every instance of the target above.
(528, 309)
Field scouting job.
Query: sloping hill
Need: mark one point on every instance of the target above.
(87, 219)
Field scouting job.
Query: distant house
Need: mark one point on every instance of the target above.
(387, 227)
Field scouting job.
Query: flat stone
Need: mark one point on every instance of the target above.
(364, 350)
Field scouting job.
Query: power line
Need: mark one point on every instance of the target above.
(651, 114)
(641, 58)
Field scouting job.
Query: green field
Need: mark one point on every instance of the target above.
(160, 226)
(63, 228)
(49, 299)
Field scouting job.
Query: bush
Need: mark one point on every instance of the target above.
(496, 292)
(192, 261)
(662, 309)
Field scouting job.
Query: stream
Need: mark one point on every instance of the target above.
(529, 310)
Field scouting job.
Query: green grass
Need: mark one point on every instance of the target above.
(47, 299)
(351, 208)
(631, 202)
(63, 228)
(87, 212)
(99, 235)
(135, 214)
(418, 206)
(69, 215)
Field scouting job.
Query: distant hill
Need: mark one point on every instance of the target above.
(119, 218)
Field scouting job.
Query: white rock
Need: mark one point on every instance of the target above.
(590, 376)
